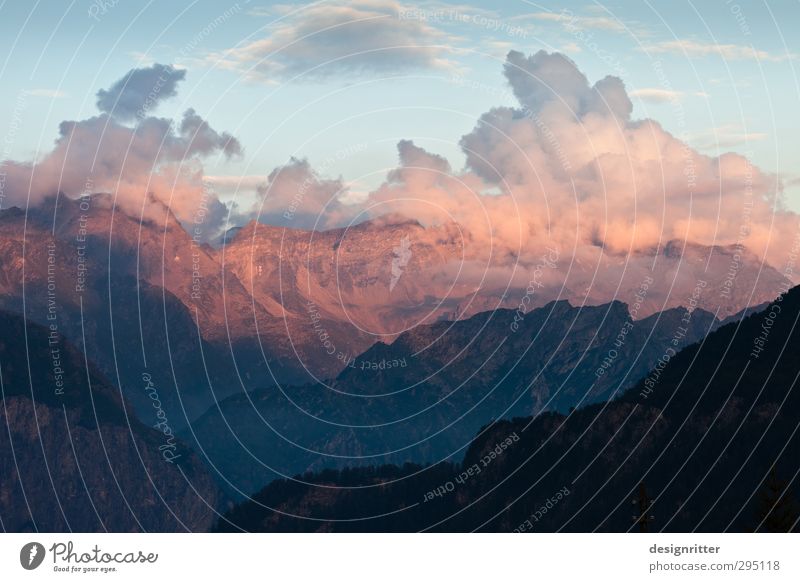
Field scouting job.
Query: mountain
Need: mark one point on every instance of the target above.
(144, 297)
(702, 441)
(345, 275)
(423, 397)
(284, 351)
(74, 456)
(283, 306)
(389, 274)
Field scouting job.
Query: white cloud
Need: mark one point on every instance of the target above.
(49, 93)
(652, 95)
(590, 22)
(658, 95)
(571, 47)
(724, 137)
(140, 58)
(693, 48)
(570, 167)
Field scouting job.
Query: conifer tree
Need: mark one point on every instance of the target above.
(777, 509)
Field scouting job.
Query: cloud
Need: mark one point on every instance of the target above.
(294, 195)
(570, 168)
(571, 47)
(724, 136)
(733, 52)
(552, 81)
(48, 93)
(146, 164)
(140, 58)
(200, 138)
(334, 39)
(418, 167)
(568, 19)
(657, 95)
(792, 180)
(567, 167)
(139, 91)
(237, 184)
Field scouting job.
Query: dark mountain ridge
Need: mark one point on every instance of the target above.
(422, 398)
(700, 437)
(74, 456)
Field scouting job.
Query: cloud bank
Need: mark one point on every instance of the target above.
(144, 161)
(569, 167)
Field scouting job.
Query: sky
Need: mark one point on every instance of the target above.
(338, 85)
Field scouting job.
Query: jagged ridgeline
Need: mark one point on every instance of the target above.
(710, 441)
(289, 306)
(422, 398)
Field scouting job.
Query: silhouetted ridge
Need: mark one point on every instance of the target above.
(80, 459)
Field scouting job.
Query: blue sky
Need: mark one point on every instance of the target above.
(722, 75)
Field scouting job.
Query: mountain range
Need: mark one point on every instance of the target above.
(291, 306)
(707, 443)
(423, 397)
(281, 351)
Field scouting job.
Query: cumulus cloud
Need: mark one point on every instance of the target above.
(200, 138)
(569, 167)
(553, 82)
(418, 169)
(296, 196)
(139, 91)
(145, 164)
(335, 39)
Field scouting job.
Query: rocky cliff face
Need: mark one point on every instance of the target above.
(75, 458)
(385, 276)
(365, 281)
